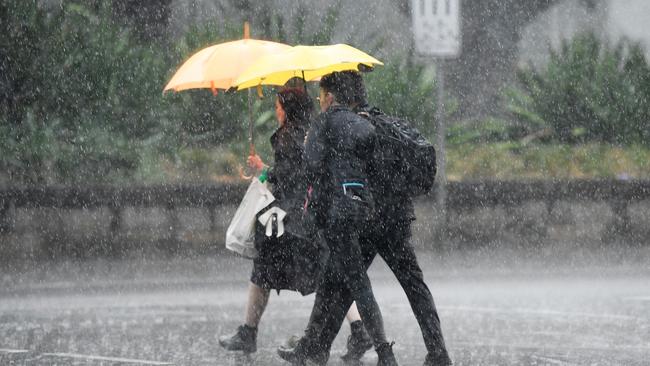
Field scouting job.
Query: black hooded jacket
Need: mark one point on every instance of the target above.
(338, 149)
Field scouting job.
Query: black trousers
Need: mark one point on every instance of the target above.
(391, 242)
(345, 280)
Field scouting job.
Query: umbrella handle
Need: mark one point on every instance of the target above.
(244, 173)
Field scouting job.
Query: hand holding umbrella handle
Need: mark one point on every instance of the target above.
(255, 163)
(254, 166)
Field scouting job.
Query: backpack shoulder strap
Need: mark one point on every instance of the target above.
(368, 111)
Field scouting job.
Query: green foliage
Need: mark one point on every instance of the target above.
(588, 91)
(403, 88)
(512, 161)
(81, 102)
(324, 33)
(489, 130)
(271, 21)
(83, 99)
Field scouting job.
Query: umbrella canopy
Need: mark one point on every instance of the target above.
(217, 66)
(308, 62)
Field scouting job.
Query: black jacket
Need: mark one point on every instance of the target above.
(288, 172)
(295, 260)
(338, 150)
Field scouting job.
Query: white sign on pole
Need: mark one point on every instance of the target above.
(436, 26)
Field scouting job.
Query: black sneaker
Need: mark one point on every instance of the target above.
(358, 343)
(437, 360)
(244, 339)
(385, 355)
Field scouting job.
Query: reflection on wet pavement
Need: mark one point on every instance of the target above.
(174, 312)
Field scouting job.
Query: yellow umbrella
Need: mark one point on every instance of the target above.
(308, 62)
(216, 67)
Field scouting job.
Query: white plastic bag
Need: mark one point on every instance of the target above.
(240, 236)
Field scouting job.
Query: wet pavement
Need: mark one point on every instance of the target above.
(155, 312)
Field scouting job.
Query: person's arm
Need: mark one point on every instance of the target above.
(315, 150)
(255, 163)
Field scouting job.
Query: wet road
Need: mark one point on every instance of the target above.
(109, 313)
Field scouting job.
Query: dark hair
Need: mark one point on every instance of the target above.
(297, 105)
(346, 86)
(295, 82)
(359, 88)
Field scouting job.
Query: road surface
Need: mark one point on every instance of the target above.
(172, 311)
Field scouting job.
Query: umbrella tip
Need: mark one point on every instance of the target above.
(247, 31)
(364, 68)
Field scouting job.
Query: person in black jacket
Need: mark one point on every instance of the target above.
(388, 235)
(272, 267)
(338, 156)
(293, 108)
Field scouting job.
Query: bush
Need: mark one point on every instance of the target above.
(588, 91)
(511, 161)
(403, 88)
(83, 98)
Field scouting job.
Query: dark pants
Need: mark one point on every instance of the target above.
(391, 242)
(346, 279)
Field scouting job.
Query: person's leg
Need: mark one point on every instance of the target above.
(331, 301)
(353, 314)
(347, 260)
(359, 340)
(350, 264)
(327, 314)
(258, 298)
(245, 337)
(400, 257)
(345, 281)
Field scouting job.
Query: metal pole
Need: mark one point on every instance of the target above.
(251, 129)
(251, 137)
(441, 179)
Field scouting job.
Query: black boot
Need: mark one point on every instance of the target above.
(385, 355)
(358, 342)
(437, 360)
(302, 354)
(292, 341)
(244, 339)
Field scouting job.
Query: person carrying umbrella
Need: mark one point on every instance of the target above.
(338, 158)
(272, 268)
(388, 236)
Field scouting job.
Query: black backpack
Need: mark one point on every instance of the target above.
(404, 161)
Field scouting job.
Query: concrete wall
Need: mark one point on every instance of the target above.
(43, 233)
(538, 216)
